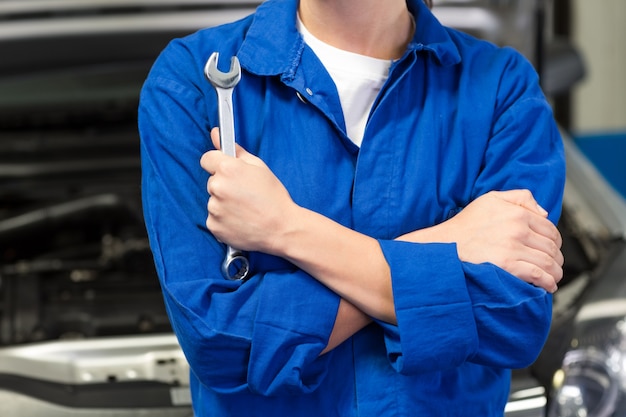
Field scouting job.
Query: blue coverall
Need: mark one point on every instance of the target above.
(458, 117)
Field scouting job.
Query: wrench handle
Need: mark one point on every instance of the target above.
(226, 120)
(235, 266)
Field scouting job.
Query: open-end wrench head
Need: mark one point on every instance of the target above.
(222, 79)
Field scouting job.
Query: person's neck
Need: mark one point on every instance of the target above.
(377, 28)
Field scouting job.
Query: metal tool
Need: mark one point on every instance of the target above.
(235, 265)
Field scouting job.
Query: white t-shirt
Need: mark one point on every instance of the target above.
(358, 78)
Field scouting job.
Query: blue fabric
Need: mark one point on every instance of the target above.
(457, 118)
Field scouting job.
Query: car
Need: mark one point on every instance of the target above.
(583, 362)
(83, 328)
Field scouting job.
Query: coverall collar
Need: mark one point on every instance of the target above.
(273, 45)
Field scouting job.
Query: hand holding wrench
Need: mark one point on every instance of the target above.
(235, 265)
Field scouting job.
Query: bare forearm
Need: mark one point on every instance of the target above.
(349, 263)
(507, 229)
(349, 321)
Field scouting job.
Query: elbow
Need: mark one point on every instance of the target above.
(535, 339)
(287, 369)
(515, 337)
(216, 363)
(534, 329)
(228, 365)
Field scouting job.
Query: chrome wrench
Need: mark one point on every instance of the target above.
(235, 265)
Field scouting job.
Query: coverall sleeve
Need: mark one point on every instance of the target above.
(262, 335)
(450, 312)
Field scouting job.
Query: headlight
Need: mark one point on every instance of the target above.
(592, 380)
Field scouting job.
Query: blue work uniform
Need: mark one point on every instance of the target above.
(457, 118)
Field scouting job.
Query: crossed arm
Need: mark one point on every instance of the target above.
(508, 229)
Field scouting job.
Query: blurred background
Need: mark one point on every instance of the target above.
(597, 117)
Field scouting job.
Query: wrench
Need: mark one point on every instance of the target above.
(235, 265)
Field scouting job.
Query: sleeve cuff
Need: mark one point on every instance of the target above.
(436, 328)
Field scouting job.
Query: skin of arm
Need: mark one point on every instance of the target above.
(250, 209)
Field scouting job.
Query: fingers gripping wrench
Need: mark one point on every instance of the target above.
(235, 265)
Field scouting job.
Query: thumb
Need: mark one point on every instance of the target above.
(523, 198)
